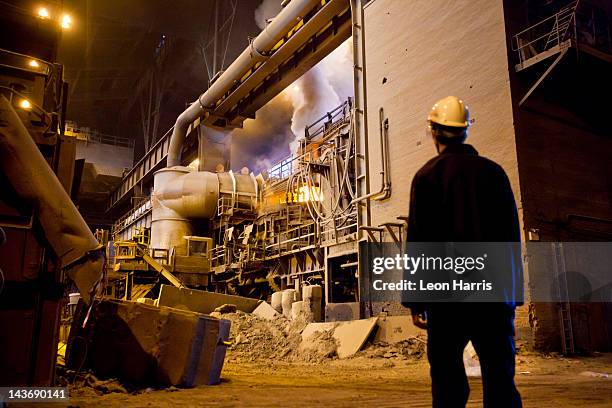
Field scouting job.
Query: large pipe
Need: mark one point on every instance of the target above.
(70, 238)
(181, 195)
(257, 51)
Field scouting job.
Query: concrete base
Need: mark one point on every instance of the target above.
(393, 329)
(341, 312)
(265, 311)
(349, 336)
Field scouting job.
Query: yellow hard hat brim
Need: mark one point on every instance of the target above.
(451, 123)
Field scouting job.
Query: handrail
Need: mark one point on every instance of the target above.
(564, 20)
(283, 168)
(562, 11)
(93, 136)
(145, 156)
(527, 47)
(125, 221)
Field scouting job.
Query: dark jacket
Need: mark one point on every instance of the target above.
(459, 196)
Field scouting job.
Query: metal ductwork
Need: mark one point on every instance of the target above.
(182, 194)
(34, 182)
(258, 51)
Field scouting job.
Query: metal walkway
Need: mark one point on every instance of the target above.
(553, 36)
(547, 38)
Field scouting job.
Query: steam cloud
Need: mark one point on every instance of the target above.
(279, 125)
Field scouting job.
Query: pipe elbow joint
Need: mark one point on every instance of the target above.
(179, 132)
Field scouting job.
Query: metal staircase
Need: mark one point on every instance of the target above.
(563, 22)
(553, 36)
(546, 38)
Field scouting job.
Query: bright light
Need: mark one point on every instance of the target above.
(43, 12)
(306, 193)
(66, 21)
(25, 104)
(296, 88)
(194, 164)
(33, 64)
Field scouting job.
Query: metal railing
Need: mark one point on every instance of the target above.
(23, 62)
(140, 210)
(325, 124)
(144, 167)
(546, 34)
(331, 119)
(92, 136)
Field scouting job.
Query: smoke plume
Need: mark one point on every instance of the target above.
(280, 124)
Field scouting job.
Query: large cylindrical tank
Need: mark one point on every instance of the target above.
(182, 194)
(168, 227)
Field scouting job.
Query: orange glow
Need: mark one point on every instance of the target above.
(304, 194)
(25, 104)
(66, 21)
(309, 194)
(43, 12)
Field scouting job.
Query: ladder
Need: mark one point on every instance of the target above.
(565, 311)
(563, 21)
(546, 38)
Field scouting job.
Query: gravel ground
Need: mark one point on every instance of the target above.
(366, 380)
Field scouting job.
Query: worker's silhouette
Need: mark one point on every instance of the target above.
(460, 196)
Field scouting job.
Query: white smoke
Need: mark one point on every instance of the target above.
(267, 9)
(280, 124)
(320, 90)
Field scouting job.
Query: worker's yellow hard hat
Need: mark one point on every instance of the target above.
(450, 111)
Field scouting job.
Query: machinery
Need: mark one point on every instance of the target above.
(47, 240)
(249, 234)
(305, 205)
(252, 235)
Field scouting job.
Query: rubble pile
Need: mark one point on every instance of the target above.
(254, 338)
(280, 339)
(86, 383)
(412, 348)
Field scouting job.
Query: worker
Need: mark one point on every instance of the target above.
(460, 196)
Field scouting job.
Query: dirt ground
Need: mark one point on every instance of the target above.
(544, 381)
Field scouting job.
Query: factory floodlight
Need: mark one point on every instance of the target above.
(66, 21)
(43, 12)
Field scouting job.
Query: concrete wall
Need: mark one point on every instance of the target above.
(558, 143)
(564, 154)
(418, 52)
(109, 159)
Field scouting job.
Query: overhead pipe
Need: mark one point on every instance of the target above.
(79, 253)
(258, 51)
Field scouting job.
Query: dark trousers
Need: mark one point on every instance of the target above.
(490, 327)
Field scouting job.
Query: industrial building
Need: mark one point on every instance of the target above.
(191, 194)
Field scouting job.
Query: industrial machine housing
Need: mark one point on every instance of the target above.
(251, 235)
